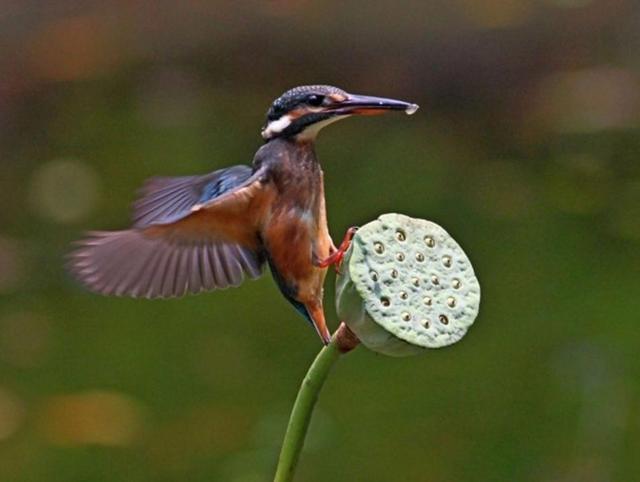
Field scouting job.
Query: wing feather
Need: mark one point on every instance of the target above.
(165, 199)
(189, 234)
(153, 267)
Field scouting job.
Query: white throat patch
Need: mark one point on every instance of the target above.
(311, 131)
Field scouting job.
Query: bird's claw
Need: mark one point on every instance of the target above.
(337, 256)
(338, 264)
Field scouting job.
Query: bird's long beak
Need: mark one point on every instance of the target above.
(369, 105)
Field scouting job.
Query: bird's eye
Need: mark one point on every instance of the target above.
(315, 100)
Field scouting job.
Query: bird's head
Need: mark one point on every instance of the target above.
(302, 111)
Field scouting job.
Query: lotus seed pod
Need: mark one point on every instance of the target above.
(406, 285)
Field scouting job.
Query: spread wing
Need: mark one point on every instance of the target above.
(189, 234)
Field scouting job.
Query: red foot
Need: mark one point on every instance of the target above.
(335, 258)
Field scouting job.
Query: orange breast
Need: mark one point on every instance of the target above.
(293, 238)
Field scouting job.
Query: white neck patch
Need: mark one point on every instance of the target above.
(276, 126)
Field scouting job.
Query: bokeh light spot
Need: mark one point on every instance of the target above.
(91, 418)
(64, 190)
(73, 48)
(498, 13)
(589, 100)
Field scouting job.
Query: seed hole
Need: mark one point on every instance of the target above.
(429, 241)
(435, 280)
(394, 273)
(425, 323)
(406, 316)
(451, 301)
(446, 260)
(374, 275)
(456, 283)
(400, 257)
(427, 300)
(419, 257)
(378, 247)
(404, 295)
(400, 235)
(443, 319)
(415, 281)
(385, 301)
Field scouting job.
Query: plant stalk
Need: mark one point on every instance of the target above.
(343, 341)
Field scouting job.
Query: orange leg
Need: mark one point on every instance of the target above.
(335, 258)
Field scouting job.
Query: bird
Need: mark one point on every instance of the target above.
(198, 233)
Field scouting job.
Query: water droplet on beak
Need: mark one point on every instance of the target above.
(411, 109)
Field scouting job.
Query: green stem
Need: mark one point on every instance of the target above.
(305, 402)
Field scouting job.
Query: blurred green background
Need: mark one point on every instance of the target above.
(525, 149)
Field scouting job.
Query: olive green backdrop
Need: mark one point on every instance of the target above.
(525, 149)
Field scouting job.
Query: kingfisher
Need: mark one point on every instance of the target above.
(198, 233)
